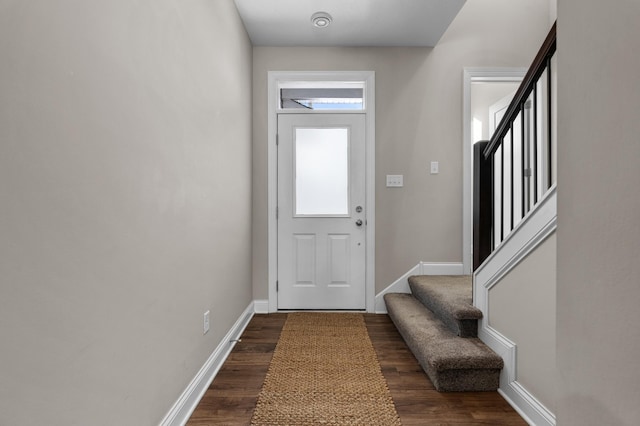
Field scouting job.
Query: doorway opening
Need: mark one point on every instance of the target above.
(482, 89)
(321, 258)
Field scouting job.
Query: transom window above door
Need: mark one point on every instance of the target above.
(322, 96)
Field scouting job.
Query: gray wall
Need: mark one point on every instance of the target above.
(419, 119)
(522, 307)
(598, 212)
(125, 178)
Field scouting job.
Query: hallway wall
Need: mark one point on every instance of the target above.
(598, 209)
(419, 120)
(522, 307)
(120, 124)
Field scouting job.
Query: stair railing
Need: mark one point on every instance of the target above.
(514, 169)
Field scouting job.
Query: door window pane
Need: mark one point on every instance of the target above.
(322, 171)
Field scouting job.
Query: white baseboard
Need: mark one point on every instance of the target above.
(449, 268)
(401, 285)
(261, 306)
(527, 406)
(183, 408)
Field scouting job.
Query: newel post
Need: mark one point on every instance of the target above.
(482, 204)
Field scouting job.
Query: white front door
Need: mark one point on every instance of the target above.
(321, 211)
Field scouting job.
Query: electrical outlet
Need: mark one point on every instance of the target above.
(206, 323)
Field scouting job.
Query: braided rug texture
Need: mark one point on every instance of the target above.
(324, 371)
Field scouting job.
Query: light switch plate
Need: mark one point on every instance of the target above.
(395, 181)
(435, 167)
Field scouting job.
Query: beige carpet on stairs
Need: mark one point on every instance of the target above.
(325, 371)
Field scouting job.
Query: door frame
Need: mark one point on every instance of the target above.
(475, 75)
(275, 79)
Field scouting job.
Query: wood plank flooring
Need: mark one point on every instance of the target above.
(232, 396)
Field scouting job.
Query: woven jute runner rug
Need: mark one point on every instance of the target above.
(325, 371)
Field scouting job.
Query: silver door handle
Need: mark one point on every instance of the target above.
(359, 222)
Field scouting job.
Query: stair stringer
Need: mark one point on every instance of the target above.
(532, 231)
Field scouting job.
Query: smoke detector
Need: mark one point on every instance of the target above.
(321, 19)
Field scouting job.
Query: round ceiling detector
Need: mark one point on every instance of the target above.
(321, 19)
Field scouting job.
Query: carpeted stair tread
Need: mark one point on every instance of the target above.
(453, 364)
(450, 298)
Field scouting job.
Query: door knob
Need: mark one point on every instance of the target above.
(359, 222)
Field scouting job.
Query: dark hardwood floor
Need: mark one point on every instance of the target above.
(232, 396)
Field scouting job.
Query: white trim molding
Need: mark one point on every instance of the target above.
(179, 414)
(401, 285)
(261, 306)
(450, 268)
(475, 75)
(275, 78)
(532, 231)
(531, 410)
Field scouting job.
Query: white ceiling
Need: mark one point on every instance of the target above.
(355, 22)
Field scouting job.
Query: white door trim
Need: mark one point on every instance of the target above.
(475, 75)
(275, 78)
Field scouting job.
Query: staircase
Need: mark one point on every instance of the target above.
(440, 326)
